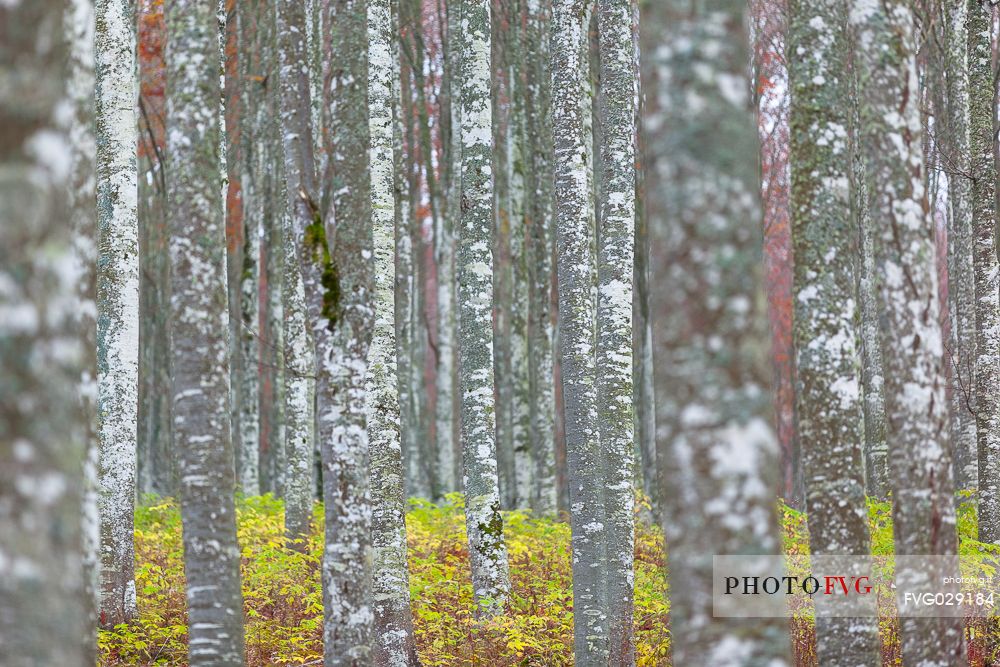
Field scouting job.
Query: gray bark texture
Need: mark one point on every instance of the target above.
(539, 213)
(44, 603)
(574, 208)
(830, 407)
(394, 644)
(487, 549)
(715, 429)
(986, 268)
(199, 336)
(954, 148)
(79, 24)
(116, 97)
(615, 265)
(912, 347)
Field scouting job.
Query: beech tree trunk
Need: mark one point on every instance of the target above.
(117, 303)
(199, 336)
(830, 405)
(487, 549)
(44, 618)
(618, 109)
(577, 345)
(912, 346)
(394, 643)
(715, 428)
(986, 269)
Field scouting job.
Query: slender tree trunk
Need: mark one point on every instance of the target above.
(618, 110)
(712, 372)
(487, 549)
(538, 107)
(394, 641)
(449, 468)
(574, 234)
(253, 160)
(117, 303)
(43, 599)
(876, 450)
(501, 101)
(912, 351)
(79, 26)
(830, 406)
(961, 352)
(198, 337)
(986, 270)
(771, 71)
(518, 165)
(157, 464)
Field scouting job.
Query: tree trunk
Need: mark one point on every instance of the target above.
(199, 337)
(830, 407)
(79, 26)
(574, 234)
(618, 109)
(538, 132)
(912, 352)
(117, 303)
(961, 353)
(394, 643)
(986, 269)
(43, 599)
(712, 372)
(254, 157)
(487, 549)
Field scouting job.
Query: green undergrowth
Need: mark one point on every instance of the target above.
(283, 604)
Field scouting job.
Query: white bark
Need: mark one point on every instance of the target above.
(394, 644)
(488, 551)
(618, 110)
(117, 302)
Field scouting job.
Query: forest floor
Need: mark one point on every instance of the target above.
(283, 604)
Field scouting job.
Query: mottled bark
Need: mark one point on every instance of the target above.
(539, 214)
(986, 269)
(393, 644)
(715, 430)
(445, 412)
(617, 110)
(876, 450)
(43, 605)
(954, 151)
(912, 350)
(577, 345)
(117, 303)
(199, 336)
(336, 276)
(348, 318)
(487, 549)
(829, 403)
(79, 26)
(157, 464)
(253, 159)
